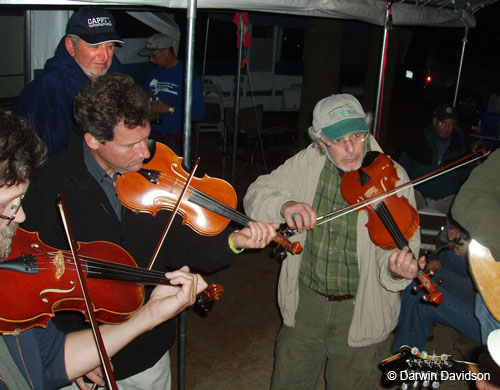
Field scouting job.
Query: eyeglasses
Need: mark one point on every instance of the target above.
(355, 138)
(446, 124)
(13, 216)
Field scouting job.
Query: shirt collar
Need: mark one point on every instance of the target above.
(93, 167)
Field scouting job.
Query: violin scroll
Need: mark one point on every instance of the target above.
(206, 297)
(433, 295)
(284, 245)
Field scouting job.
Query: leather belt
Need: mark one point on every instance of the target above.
(336, 298)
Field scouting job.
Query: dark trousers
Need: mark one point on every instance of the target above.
(172, 140)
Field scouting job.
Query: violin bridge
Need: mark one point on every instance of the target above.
(59, 264)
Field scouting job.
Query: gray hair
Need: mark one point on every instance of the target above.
(74, 40)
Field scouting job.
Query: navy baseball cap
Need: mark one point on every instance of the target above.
(445, 111)
(94, 25)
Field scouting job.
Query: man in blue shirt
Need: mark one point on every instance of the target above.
(166, 82)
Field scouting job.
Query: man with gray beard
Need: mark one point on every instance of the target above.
(83, 55)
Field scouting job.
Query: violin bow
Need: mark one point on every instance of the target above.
(419, 180)
(172, 216)
(108, 371)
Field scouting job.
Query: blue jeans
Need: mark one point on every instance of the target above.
(169, 139)
(487, 321)
(457, 311)
(417, 318)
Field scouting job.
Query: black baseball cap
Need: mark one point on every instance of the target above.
(445, 111)
(94, 25)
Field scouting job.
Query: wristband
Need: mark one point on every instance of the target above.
(231, 245)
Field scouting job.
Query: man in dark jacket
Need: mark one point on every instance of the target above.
(44, 358)
(440, 143)
(83, 55)
(111, 137)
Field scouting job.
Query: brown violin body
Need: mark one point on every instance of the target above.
(391, 221)
(158, 184)
(377, 178)
(43, 280)
(207, 207)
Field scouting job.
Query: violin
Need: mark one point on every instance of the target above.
(49, 283)
(207, 207)
(391, 221)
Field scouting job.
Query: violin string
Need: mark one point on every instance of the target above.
(390, 224)
(97, 266)
(394, 230)
(202, 199)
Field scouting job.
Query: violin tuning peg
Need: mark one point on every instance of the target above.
(418, 288)
(439, 282)
(426, 298)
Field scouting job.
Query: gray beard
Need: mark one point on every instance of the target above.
(6, 234)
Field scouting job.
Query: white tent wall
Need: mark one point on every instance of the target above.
(47, 29)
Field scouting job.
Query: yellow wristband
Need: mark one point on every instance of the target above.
(233, 248)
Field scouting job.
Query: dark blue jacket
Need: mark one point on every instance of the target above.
(47, 102)
(39, 355)
(92, 218)
(420, 156)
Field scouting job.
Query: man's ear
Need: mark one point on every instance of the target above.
(69, 46)
(91, 141)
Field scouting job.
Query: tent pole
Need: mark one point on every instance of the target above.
(383, 57)
(237, 100)
(28, 47)
(188, 81)
(188, 98)
(205, 50)
(464, 42)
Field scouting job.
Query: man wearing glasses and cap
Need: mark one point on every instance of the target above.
(83, 54)
(339, 299)
(166, 82)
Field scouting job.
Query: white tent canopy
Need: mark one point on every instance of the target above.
(452, 13)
